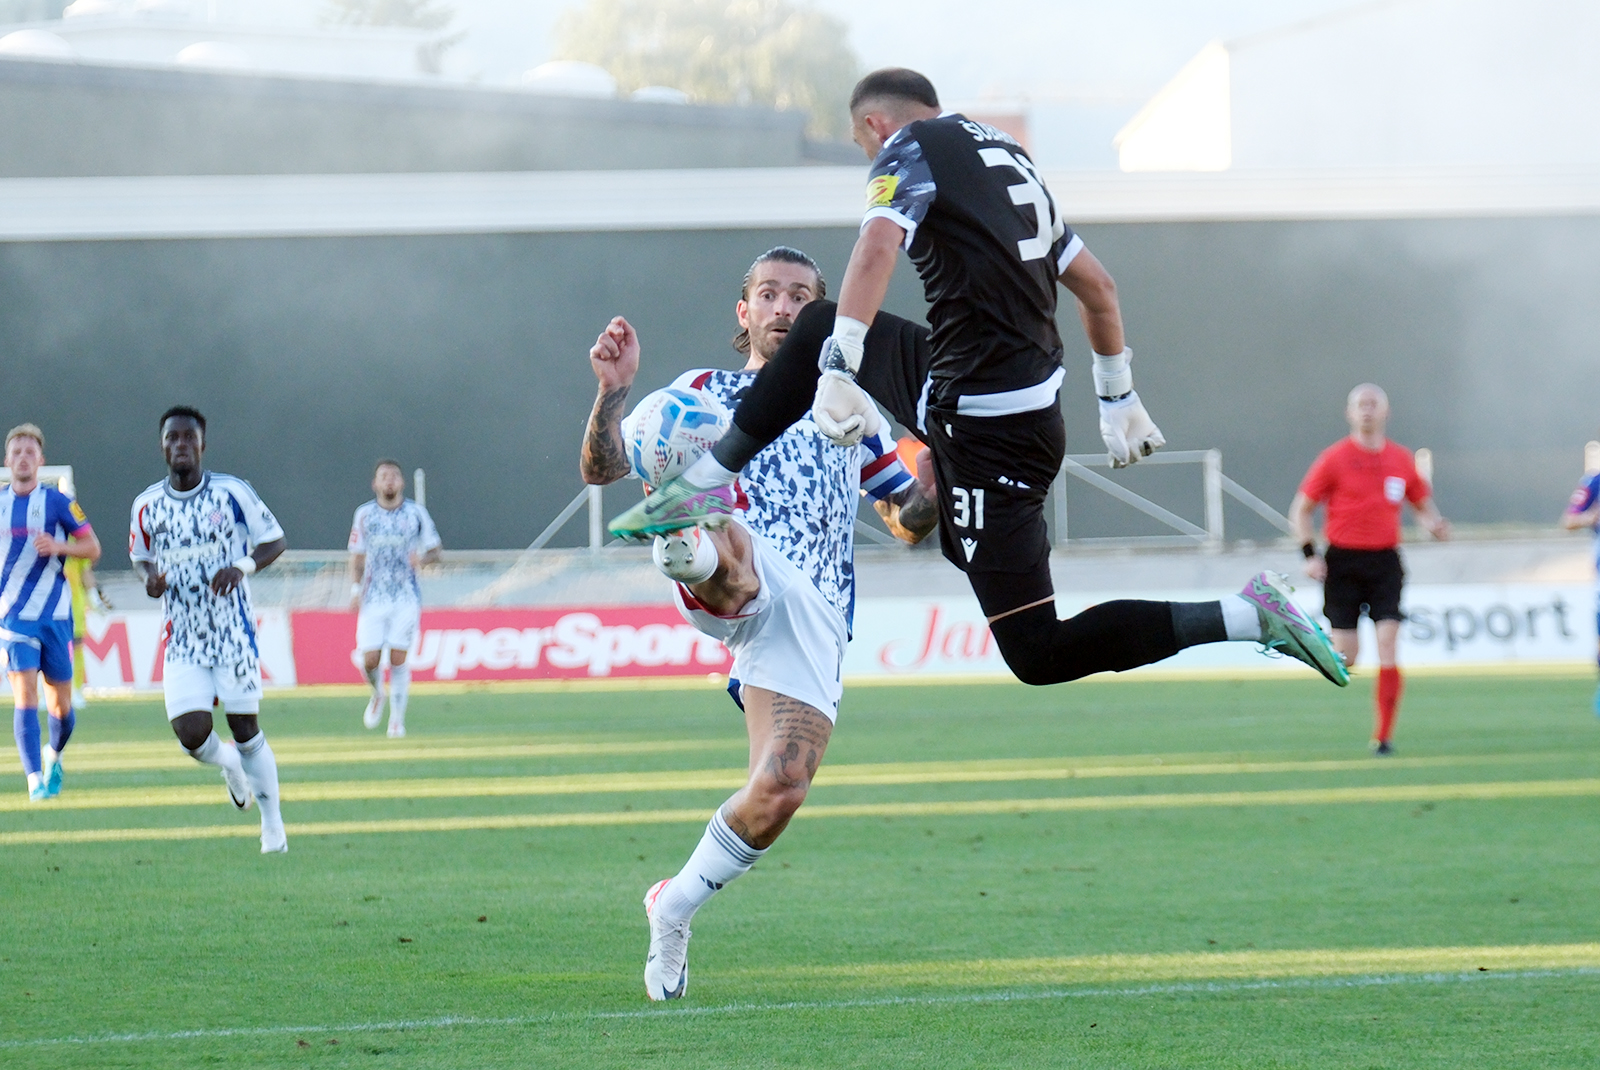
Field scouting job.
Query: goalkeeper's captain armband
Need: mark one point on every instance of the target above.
(1113, 378)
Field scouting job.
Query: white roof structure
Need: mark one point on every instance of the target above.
(259, 206)
(1391, 84)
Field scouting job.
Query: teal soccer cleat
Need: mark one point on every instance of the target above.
(52, 779)
(1288, 629)
(679, 504)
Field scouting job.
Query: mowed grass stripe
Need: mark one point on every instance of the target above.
(136, 757)
(884, 774)
(1200, 965)
(1494, 790)
(688, 780)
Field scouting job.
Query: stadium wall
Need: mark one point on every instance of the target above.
(464, 354)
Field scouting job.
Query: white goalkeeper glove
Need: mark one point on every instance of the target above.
(1126, 427)
(842, 411)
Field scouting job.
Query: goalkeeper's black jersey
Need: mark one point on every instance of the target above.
(988, 242)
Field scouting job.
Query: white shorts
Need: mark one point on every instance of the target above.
(789, 639)
(388, 624)
(193, 687)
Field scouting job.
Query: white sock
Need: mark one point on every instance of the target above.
(215, 752)
(690, 557)
(262, 768)
(1242, 619)
(50, 755)
(720, 857)
(399, 692)
(707, 472)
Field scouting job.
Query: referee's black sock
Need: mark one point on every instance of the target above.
(782, 392)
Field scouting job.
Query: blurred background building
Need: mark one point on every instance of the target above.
(344, 237)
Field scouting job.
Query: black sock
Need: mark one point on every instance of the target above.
(1194, 623)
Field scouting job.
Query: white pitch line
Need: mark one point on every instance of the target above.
(970, 998)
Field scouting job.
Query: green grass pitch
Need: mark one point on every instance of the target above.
(1108, 874)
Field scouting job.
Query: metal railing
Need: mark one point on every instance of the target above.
(1078, 465)
(1214, 484)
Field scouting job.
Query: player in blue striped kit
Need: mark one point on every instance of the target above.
(35, 604)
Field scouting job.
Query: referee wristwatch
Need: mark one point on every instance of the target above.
(1309, 549)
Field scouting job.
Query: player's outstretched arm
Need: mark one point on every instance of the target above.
(841, 409)
(1125, 426)
(1096, 291)
(614, 357)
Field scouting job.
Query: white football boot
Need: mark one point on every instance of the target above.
(397, 727)
(666, 966)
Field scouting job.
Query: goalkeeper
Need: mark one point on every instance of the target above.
(967, 204)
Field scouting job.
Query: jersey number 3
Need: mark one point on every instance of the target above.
(967, 507)
(1028, 192)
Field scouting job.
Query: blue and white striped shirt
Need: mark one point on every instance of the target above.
(33, 587)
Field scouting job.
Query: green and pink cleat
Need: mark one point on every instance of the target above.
(1288, 629)
(679, 504)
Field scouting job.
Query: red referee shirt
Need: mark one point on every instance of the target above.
(1362, 490)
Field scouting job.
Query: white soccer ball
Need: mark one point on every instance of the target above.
(670, 429)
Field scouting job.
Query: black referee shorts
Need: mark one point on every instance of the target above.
(1362, 579)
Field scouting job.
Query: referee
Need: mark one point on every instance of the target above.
(1362, 480)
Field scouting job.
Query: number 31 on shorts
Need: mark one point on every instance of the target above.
(967, 507)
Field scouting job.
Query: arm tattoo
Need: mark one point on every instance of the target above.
(603, 459)
(799, 736)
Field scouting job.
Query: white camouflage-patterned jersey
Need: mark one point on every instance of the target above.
(189, 536)
(389, 537)
(804, 491)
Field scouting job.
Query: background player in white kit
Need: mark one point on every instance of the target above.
(195, 537)
(390, 538)
(776, 586)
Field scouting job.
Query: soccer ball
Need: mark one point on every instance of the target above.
(670, 429)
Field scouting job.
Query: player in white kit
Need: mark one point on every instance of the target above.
(195, 537)
(776, 586)
(391, 537)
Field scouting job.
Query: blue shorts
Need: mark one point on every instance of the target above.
(38, 645)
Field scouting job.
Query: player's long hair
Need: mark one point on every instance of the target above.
(783, 254)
